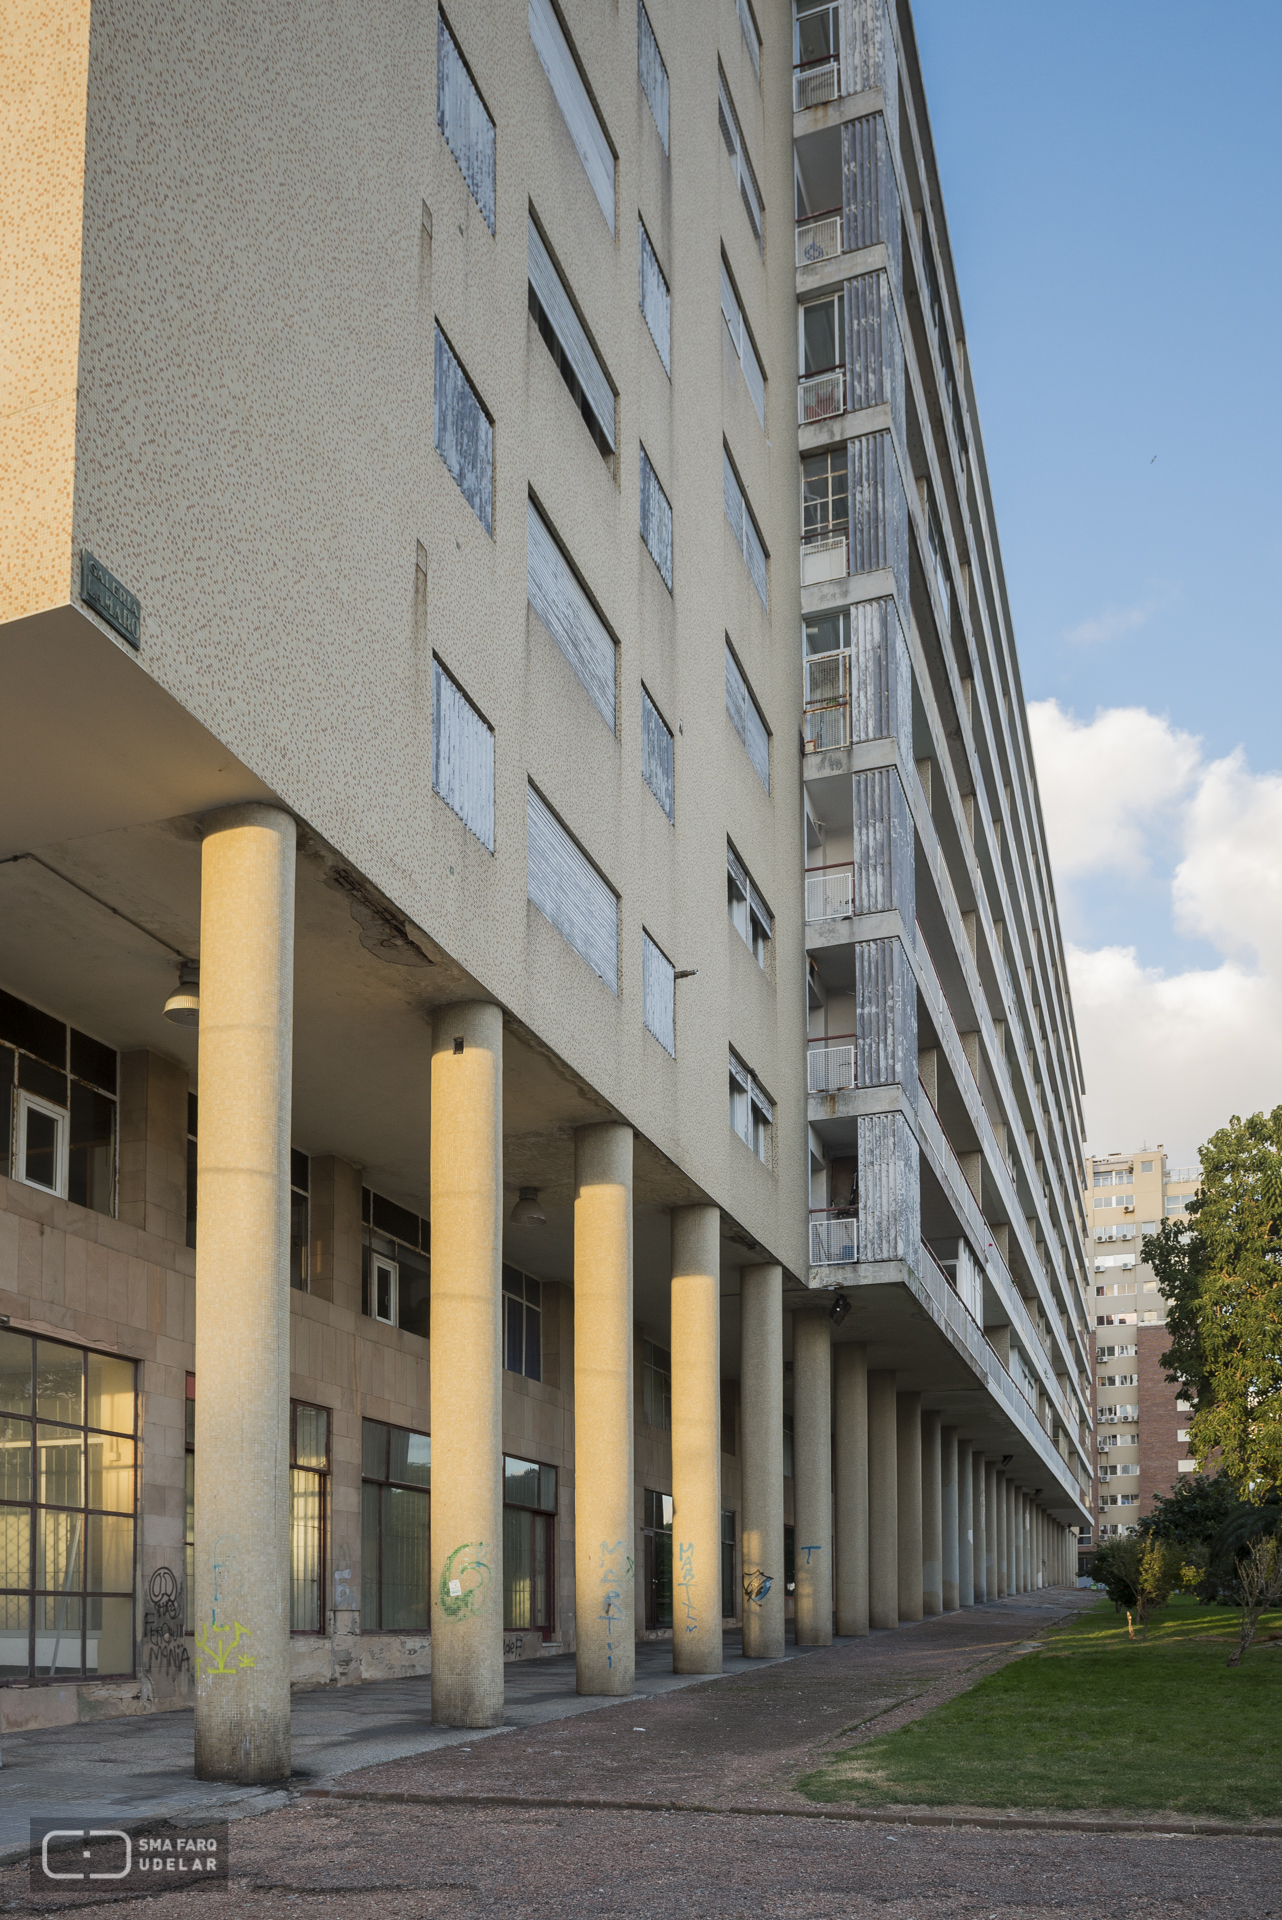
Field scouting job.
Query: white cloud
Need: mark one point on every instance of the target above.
(1105, 783)
(1110, 624)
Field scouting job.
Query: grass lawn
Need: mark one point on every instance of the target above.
(1095, 1719)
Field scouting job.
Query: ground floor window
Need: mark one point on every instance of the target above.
(657, 1535)
(396, 1265)
(67, 1501)
(529, 1546)
(728, 1541)
(396, 1478)
(790, 1559)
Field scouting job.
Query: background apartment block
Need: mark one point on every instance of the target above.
(1141, 1421)
(409, 535)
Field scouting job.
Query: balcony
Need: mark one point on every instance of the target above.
(825, 718)
(829, 1068)
(820, 237)
(815, 81)
(821, 396)
(830, 893)
(834, 1237)
(825, 558)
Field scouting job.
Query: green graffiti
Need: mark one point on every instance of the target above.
(464, 1579)
(216, 1649)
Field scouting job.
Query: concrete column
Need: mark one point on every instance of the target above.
(1011, 1582)
(1041, 1548)
(850, 1502)
(908, 1469)
(761, 1394)
(1023, 1543)
(604, 1499)
(990, 1528)
(999, 1529)
(949, 1518)
(696, 1440)
(883, 1503)
(965, 1525)
(979, 1521)
(467, 1442)
(932, 1516)
(812, 1465)
(241, 1644)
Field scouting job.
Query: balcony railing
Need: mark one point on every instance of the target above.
(821, 396)
(826, 716)
(815, 81)
(834, 1237)
(824, 559)
(830, 1069)
(820, 237)
(830, 893)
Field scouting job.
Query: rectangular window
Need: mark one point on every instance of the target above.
(749, 915)
(564, 334)
(656, 301)
(656, 1386)
(570, 893)
(299, 1182)
(825, 494)
(656, 753)
(740, 516)
(572, 96)
(462, 118)
(745, 178)
(652, 72)
(192, 1112)
(57, 1127)
(751, 38)
(741, 339)
(787, 1446)
(522, 1324)
(658, 994)
(308, 1502)
(822, 325)
(464, 433)
(529, 1544)
(396, 1266)
(657, 1537)
(68, 1421)
(751, 1109)
(747, 718)
(562, 605)
(656, 520)
(396, 1479)
(728, 1540)
(462, 756)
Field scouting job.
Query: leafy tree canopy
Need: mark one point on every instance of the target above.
(1192, 1513)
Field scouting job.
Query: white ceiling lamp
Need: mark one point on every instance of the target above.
(527, 1212)
(183, 1007)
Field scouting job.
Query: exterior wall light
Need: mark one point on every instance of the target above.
(527, 1212)
(839, 1309)
(183, 1007)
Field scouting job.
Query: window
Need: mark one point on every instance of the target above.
(462, 118)
(563, 333)
(825, 494)
(308, 1491)
(57, 1107)
(192, 1116)
(741, 340)
(563, 606)
(1146, 1166)
(656, 520)
(652, 73)
(462, 756)
(740, 516)
(749, 914)
(938, 559)
(529, 1546)
(522, 1324)
(827, 632)
(581, 117)
(657, 1537)
(396, 1267)
(656, 301)
(299, 1181)
(751, 1109)
(747, 718)
(745, 178)
(728, 1541)
(787, 1447)
(570, 893)
(658, 994)
(822, 325)
(751, 38)
(817, 34)
(396, 1477)
(656, 753)
(464, 433)
(656, 1385)
(68, 1420)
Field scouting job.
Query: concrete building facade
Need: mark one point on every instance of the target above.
(424, 1240)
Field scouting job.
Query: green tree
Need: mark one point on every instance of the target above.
(1137, 1574)
(1221, 1275)
(1192, 1513)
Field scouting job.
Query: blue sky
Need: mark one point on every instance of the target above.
(1111, 174)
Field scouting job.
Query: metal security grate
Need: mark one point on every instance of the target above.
(569, 616)
(570, 893)
(462, 118)
(462, 756)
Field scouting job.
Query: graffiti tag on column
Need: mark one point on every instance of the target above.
(464, 1579)
(686, 1583)
(756, 1585)
(616, 1568)
(162, 1629)
(809, 1550)
(222, 1649)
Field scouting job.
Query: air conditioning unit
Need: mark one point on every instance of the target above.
(1128, 1209)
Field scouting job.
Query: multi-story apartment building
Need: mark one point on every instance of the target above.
(1141, 1421)
(430, 1234)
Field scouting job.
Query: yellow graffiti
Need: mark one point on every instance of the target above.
(216, 1649)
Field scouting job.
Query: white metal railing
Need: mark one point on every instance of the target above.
(821, 396)
(830, 893)
(834, 1239)
(826, 726)
(826, 716)
(815, 82)
(820, 238)
(830, 1069)
(1178, 1175)
(824, 559)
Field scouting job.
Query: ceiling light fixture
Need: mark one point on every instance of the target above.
(183, 1007)
(527, 1212)
(839, 1309)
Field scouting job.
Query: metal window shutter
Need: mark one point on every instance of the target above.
(736, 697)
(656, 753)
(464, 437)
(652, 72)
(656, 301)
(656, 520)
(462, 757)
(467, 127)
(570, 893)
(556, 303)
(569, 615)
(658, 994)
(577, 110)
